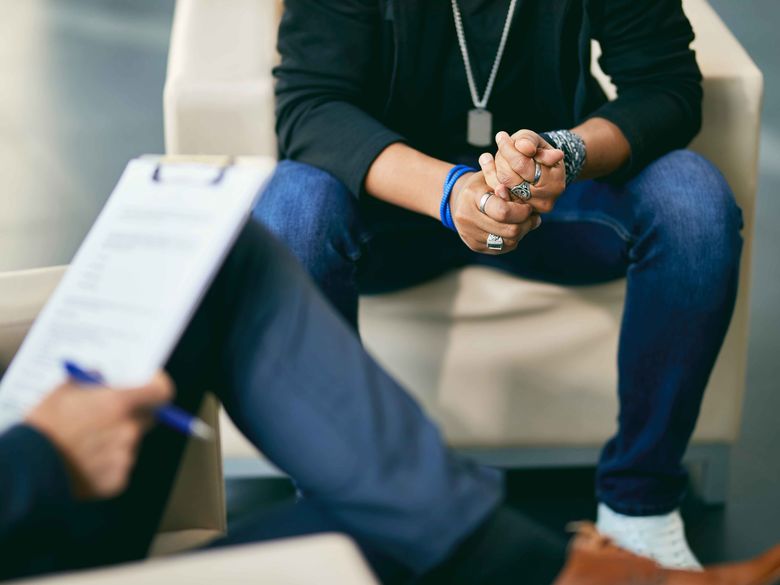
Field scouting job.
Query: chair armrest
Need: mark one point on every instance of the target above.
(218, 96)
(22, 295)
(733, 95)
(733, 92)
(328, 558)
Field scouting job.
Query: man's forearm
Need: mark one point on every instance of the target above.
(407, 178)
(34, 497)
(607, 147)
(410, 179)
(34, 479)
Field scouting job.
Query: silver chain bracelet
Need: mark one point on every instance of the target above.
(573, 147)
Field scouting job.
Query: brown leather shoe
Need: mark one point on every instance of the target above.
(595, 560)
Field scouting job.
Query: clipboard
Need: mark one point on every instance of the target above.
(138, 276)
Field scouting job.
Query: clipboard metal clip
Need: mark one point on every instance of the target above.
(220, 165)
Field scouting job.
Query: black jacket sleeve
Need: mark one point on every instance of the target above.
(34, 487)
(646, 50)
(327, 50)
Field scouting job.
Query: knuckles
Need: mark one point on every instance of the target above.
(526, 212)
(544, 205)
(519, 166)
(514, 232)
(501, 214)
(524, 133)
(503, 177)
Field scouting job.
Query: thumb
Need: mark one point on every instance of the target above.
(502, 191)
(157, 392)
(548, 156)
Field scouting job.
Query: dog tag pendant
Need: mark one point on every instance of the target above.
(480, 127)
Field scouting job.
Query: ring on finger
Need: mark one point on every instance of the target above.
(522, 191)
(495, 242)
(537, 173)
(483, 202)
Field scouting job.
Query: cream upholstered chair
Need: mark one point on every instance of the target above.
(554, 401)
(219, 100)
(326, 558)
(196, 513)
(22, 294)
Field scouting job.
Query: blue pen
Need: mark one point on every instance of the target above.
(169, 415)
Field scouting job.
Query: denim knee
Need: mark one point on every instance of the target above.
(312, 212)
(686, 213)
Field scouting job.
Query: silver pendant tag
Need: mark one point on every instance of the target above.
(480, 127)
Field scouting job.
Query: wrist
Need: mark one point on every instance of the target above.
(455, 174)
(457, 189)
(574, 151)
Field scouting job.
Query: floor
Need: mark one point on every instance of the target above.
(81, 93)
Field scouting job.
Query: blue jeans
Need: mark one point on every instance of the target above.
(673, 231)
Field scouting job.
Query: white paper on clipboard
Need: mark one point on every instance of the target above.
(137, 278)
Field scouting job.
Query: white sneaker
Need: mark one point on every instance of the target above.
(661, 538)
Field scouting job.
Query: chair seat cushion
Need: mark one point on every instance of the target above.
(501, 361)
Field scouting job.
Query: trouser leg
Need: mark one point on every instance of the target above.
(300, 386)
(682, 285)
(296, 379)
(348, 245)
(317, 218)
(674, 232)
(298, 383)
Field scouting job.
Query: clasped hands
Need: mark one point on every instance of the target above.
(505, 215)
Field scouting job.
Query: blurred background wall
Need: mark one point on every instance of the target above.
(80, 93)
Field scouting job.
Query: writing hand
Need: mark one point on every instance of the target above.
(98, 430)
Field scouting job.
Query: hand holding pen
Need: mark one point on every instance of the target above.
(97, 432)
(168, 415)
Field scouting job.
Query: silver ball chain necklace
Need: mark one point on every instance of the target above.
(480, 121)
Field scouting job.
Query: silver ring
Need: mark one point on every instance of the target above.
(537, 173)
(522, 191)
(483, 202)
(495, 242)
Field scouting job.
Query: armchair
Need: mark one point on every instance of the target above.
(497, 405)
(219, 100)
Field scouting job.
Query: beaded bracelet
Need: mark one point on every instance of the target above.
(574, 152)
(445, 213)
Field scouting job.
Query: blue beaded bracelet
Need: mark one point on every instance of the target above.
(445, 213)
